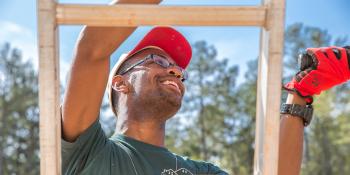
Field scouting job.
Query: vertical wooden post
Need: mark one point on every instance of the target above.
(269, 90)
(49, 89)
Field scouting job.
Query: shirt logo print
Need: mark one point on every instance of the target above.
(181, 171)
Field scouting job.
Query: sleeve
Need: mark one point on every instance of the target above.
(212, 169)
(207, 168)
(76, 154)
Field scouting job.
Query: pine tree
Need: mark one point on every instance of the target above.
(19, 125)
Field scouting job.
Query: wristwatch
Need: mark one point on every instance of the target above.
(304, 112)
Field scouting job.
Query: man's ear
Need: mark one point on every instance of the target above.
(119, 84)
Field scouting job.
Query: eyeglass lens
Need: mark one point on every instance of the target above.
(165, 63)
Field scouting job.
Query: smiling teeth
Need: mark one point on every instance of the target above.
(167, 82)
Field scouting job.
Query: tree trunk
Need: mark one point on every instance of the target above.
(2, 134)
(307, 149)
(1, 159)
(327, 168)
(203, 134)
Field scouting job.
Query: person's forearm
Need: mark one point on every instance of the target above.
(101, 42)
(291, 140)
(89, 75)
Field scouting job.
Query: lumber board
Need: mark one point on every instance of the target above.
(50, 121)
(269, 90)
(143, 15)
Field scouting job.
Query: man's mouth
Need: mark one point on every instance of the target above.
(171, 84)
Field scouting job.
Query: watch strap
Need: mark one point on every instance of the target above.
(304, 112)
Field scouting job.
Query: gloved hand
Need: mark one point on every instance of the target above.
(320, 69)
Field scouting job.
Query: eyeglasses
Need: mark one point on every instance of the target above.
(160, 60)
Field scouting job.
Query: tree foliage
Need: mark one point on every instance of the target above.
(19, 125)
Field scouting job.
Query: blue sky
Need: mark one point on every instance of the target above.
(240, 44)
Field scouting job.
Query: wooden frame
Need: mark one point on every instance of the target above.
(269, 16)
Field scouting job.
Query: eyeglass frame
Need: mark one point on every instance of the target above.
(184, 75)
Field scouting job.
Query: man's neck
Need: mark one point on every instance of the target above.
(151, 132)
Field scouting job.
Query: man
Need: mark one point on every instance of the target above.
(145, 89)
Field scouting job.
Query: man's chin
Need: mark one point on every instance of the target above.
(175, 102)
(172, 109)
(170, 102)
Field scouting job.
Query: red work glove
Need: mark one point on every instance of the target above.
(320, 69)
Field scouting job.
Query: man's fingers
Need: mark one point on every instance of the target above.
(336, 53)
(300, 75)
(306, 61)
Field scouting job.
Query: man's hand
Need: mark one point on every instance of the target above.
(320, 69)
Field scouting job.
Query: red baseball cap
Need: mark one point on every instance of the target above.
(169, 40)
(161, 37)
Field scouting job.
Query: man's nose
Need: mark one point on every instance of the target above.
(175, 71)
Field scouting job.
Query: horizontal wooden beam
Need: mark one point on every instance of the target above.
(138, 15)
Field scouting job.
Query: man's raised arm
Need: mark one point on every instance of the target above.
(291, 140)
(89, 73)
(320, 69)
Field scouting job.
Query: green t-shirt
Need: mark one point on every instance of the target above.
(93, 153)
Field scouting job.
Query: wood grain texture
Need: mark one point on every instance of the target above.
(269, 90)
(50, 120)
(136, 15)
